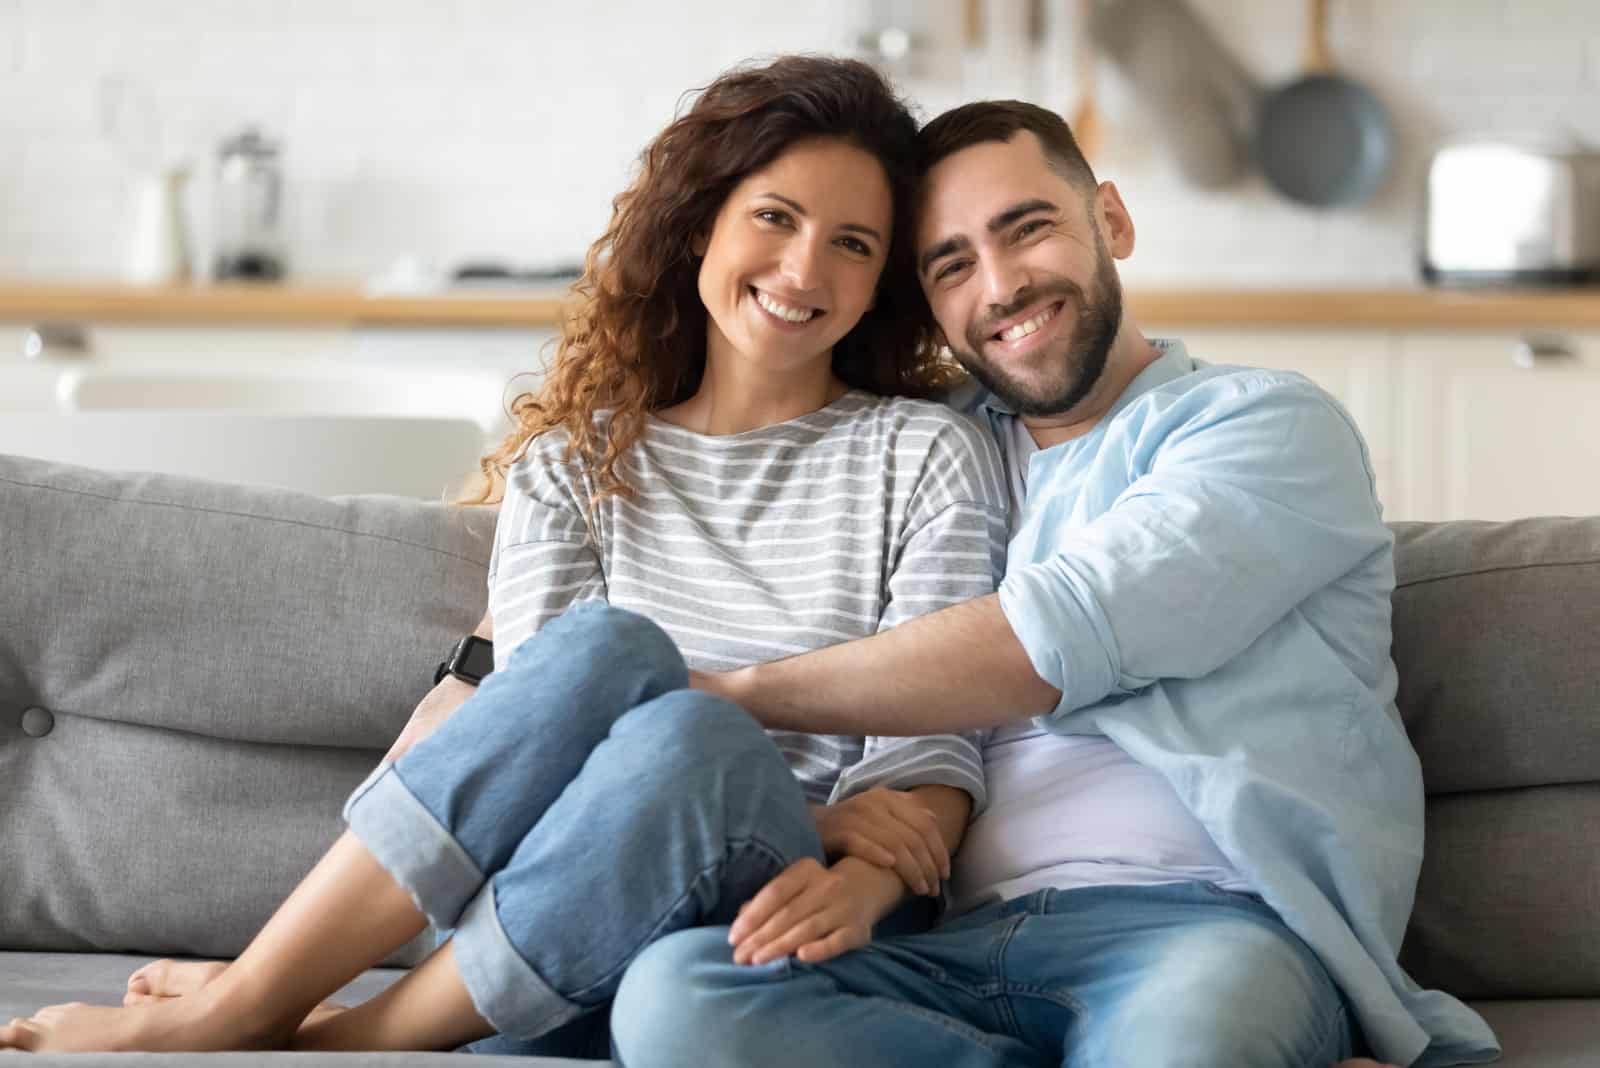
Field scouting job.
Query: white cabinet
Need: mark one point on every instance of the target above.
(1354, 366)
(1460, 424)
(1498, 426)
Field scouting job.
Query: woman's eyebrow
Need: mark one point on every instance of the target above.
(860, 228)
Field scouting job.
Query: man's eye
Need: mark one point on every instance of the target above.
(948, 270)
(1031, 226)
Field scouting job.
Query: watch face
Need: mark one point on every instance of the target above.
(478, 657)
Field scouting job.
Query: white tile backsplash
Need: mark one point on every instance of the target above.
(454, 129)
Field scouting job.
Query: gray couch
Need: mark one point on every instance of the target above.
(193, 675)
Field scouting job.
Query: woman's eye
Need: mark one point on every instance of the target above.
(772, 215)
(856, 245)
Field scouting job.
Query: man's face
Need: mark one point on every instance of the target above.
(1017, 273)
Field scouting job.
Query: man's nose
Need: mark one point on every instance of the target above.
(1002, 279)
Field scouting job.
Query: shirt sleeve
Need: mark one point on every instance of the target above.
(1259, 494)
(953, 550)
(544, 558)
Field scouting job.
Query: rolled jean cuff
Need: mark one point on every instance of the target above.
(413, 847)
(504, 988)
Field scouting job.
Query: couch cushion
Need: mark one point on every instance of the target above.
(1545, 1034)
(1497, 638)
(217, 667)
(1510, 894)
(29, 981)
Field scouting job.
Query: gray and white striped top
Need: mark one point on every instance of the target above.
(756, 546)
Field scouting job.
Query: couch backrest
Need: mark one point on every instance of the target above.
(1497, 640)
(193, 676)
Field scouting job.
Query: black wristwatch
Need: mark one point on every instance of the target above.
(470, 660)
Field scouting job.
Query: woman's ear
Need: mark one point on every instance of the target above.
(699, 244)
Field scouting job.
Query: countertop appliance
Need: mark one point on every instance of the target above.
(1503, 213)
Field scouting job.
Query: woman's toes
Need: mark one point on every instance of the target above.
(18, 1034)
(172, 978)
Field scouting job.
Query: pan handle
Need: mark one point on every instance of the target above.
(1317, 57)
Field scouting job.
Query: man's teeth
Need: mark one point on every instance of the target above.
(1023, 329)
(783, 311)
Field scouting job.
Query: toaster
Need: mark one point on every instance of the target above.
(1497, 212)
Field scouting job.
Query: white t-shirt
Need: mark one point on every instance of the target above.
(1068, 811)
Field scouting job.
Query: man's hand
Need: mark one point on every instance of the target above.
(812, 912)
(889, 828)
(434, 708)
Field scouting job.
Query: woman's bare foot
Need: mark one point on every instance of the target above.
(199, 1023)
(163, 980)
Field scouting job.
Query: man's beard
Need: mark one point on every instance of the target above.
(1087, 348)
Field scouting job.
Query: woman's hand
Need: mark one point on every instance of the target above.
(434, 708)
(889, 828)
(812, 912)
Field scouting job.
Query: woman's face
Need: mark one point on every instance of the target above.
(794, 255)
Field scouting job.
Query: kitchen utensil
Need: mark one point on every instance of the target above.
(1085, 121)
(1323, 139)
(1497, 212)
(1202, 99)
(249, 194)
(157, 249)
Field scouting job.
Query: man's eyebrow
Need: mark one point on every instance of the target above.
(859, 228)
(941, 250)
(1012, 214)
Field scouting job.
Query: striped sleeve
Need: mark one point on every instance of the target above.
(952, 550)
(544, 558)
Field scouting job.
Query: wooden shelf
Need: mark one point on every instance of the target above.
(276, 305)
(336, 304)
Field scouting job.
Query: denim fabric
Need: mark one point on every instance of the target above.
(580, 805)
(1136, 976)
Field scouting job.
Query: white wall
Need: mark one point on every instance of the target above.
(455, 128)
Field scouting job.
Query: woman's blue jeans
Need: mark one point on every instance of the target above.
(582, 804)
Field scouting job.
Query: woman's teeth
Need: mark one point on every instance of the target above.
(1028, 326)
(783, 311)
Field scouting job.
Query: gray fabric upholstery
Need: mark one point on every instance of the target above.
(219, 665)
(1555, 1033)
(1497, 637)
(29, 980)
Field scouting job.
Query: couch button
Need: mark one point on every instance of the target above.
(37, 722)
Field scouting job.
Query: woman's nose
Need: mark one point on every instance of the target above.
(802, 265)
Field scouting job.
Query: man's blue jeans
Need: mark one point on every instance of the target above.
(1166, 976)
(580, 805)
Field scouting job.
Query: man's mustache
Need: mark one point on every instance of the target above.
(990, 324)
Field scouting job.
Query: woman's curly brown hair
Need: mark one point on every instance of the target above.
(635, 340)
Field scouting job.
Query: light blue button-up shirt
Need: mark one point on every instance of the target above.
(1206, 577)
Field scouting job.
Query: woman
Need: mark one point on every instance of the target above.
(724, 445)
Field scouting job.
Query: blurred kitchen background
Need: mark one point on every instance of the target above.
(385, 157)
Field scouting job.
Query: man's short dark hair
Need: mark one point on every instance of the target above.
(1001, 120)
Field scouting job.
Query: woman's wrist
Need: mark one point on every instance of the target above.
(879, 890)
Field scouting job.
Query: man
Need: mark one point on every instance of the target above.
(1205, 824)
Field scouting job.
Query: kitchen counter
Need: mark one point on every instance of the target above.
(344, 304)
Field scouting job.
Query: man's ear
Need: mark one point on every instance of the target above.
(1118, 223)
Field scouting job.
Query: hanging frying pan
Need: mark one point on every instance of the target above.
(1323, 139)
